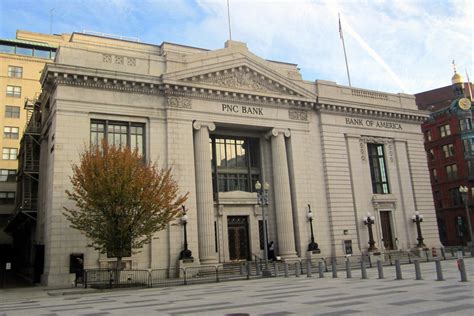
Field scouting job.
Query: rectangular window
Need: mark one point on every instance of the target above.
(448, 150)
(24, 51)
(10, 49)
(430, 154)
(10, 132)
(9, 153)
(15, 72)
(235, 164)
(7, 175)
(444, 130)
(14, 91)
(468, 145)
(455, 195)
(7, 197)
(12, 111)
(434, 175)
(470, 168)
(428, 135)
(42, 53)
(378, 170)
(119, 134)
(452, 171)
(465, 124)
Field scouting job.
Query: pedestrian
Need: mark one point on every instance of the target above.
(271, 251)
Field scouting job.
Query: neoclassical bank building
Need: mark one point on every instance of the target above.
(223, 120)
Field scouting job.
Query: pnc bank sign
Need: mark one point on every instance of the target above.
(244, 109)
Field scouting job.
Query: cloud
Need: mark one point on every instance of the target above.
(392, 44)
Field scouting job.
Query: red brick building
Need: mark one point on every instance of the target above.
(449, 145)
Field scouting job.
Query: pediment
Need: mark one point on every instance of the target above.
(242, 74)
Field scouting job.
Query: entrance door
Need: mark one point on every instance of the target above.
(386, 230)
(239, 248)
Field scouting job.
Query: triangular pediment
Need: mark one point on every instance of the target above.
(237, 73)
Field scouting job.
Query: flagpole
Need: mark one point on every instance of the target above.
(469, 86)
(344, 47)
(228, 19)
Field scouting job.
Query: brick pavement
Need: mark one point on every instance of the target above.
(272, 296)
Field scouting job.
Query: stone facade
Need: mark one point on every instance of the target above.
(312, 149)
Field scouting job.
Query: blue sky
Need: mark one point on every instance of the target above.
(394, 46)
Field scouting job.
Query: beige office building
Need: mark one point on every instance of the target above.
(223, 120)
(21, 62)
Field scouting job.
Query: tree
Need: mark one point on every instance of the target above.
(121, 200)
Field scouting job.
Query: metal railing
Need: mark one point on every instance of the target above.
(109, 278)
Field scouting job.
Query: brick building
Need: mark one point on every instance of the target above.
(449, 144)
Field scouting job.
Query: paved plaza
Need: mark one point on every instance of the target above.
(270, 296)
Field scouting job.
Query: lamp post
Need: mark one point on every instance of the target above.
(262, 198)
(417, 218)
(313, 247)
(464, 190)
(185, 253)
(369, 220)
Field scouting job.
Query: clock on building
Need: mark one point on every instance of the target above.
(465, 104)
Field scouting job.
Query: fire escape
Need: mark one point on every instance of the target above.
(28, 169)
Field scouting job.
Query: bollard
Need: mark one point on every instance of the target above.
(462, 270)
(308, 268)
(439, 271)
(334, 268)
(363, 270)
(321, 269)
(380, 269)
(417, 270)
(241, 269)
(297, 269)
(275, 267)
(348, 268)
(286, 269)
(257, 267)
(398, 270)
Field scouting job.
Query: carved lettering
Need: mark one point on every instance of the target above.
(373, 123)
(244, 109)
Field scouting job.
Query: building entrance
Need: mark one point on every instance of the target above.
(387, 236)
(238, 234)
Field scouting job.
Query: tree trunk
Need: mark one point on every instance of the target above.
(118, 268)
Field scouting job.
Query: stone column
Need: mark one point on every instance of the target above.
(282, 193)
(204, 199)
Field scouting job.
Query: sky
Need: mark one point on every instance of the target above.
(392, 45)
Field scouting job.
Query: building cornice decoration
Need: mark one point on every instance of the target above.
(384, 201)
(57, 78)
(243, 78)
(299, 115)
(364, 140)
(120, 60)
(364, 112)
(232, 96)
(179, 102)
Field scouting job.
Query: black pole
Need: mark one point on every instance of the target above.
(417, 220)
(313, 247)
(371, 235)
(185, 253)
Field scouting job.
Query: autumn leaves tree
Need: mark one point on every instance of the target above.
(121, 200)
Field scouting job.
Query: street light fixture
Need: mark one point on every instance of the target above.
(262, 199)
(185, 254)
(313, 247)
(369, 220)
(464, 190)
(417, 218)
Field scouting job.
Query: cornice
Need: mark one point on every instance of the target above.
(224, 95)
(371, 111)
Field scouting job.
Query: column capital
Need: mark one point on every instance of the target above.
(199, 124)
(275, 131)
